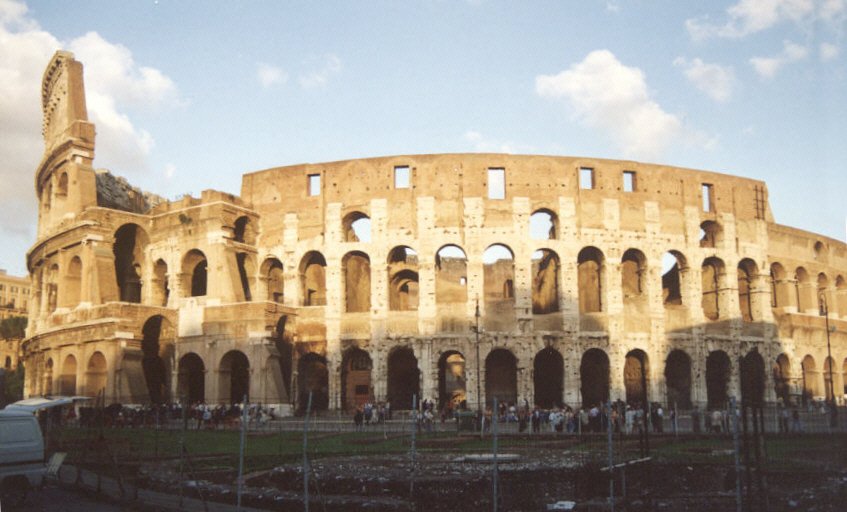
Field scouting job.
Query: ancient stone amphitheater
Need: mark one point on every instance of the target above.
(452, 277)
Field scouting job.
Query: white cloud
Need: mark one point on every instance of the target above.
(270, 76)
(170, 170)
(613, 7)
(482, 144)
(318, 78)
(715, 80)
(114, 83)
(828, 51)
(751, 16)
(767, 67)
(614, 98)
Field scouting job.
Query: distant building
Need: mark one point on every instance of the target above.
(14, 295)
(361, 281)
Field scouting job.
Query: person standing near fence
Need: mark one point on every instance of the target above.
(796, 426)
(695, 420)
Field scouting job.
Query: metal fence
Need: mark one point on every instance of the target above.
(607, 458)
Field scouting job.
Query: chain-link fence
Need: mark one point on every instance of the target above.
(603, 458)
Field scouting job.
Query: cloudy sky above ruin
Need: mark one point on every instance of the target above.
(191, 95)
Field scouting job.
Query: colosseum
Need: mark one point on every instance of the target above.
(456, 277)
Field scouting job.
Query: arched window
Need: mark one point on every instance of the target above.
(357, 227)
(590, 279)
(545, 282)
(195, 268)
(272, 271)
(356, 267)
(543, 225)
(451, 273)
(712, 273)
(130, 243)
(498, 269)
(403, 279)
(73, 282)
(674, 268)
(802, 289)
(710, 234)
(747, 274)
(633, 265)
(313, 279)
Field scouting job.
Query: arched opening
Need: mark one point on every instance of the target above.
(548, 378)
(356, 267)
(781, 295)
(747, 272)
(545, 282)
(498, 270)
(403, 278)
(674, 267)
(753, 379)
(62, 188)
(590, 279)
(73, 282)
(157, 355)
(8, 363)
(272, 271)
(717, 379)
(130, 242)
(782, 379)
(52, 288)
(195, 268)
(246, 269)
(161, 288)
(451, 275)
(802, 287)
(710, 234)
(678, 379)
(313, 279)
(48, 377)
(811, 385)
(355, 379)
(712, 272)
(452, 385)
(543, 225)
(823, 299)
(633, 269)
(67, 380)
(594, 377)
(234, 377)
(242, 231)
(501, 377)
(636, 371)
(840, 306)
(357, 227)
(403, 378)
(95, 375)
(191, 379)
(313, 377)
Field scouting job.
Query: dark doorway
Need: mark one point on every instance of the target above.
(191, 379)
(594, 377)
(717, 379)
(234, 377)
(635, 373)
(155, 360)
(548, 378)
(452, 385)
(678, 379)
(403, 378)
(313, 376)
(501, 377)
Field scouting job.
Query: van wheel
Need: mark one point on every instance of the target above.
(14, 491)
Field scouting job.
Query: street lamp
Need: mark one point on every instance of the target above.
(824, 311)
(476, 334)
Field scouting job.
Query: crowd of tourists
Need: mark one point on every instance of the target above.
(198, 415)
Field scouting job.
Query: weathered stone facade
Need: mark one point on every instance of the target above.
(361, 280)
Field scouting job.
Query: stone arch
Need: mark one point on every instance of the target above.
(498, 270)
(62, 187)
(543, 225)
(191, 379)
(285, 349)
(590, 267)
(403, 279)
(674, 270)
(356, 268)
(633, 271)
(195, 270)
(501, 377)
(840, 305)
(711, 234)
(157, 349)
(130, 242)
(403, 378)
(636, 375)
(548, 378)
(451, 275)
(718, 368)
(234, 377)
(678, 378)
(712, 275)
(313, 279)
(811, 376)
(823, 296)
(246, 265)
(781, 295)
(452, 383)
(594, 377)
(272, 272)
(782, 378)
(243, 232)
(67, 380)
(748, 273)
(356, 227)
(545, 282)
(95, 375)
(48, 377)
(801, 290)
(356, 388)
(52, 287)
(161, 287)
(313, 376)
(752, 379)
(7, 364)
(73, 282)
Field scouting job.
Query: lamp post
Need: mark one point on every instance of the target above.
(476, 334)
(824, 311)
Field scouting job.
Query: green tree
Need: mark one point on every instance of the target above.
(13, 328)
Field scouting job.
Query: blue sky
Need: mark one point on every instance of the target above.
(190, 95)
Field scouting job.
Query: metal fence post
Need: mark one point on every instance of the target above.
(306, 454)
(412, 452)
(241, 454)
(737, 451)
(494, 476)
(610, 429)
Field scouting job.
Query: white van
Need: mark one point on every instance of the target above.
(21, 455)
